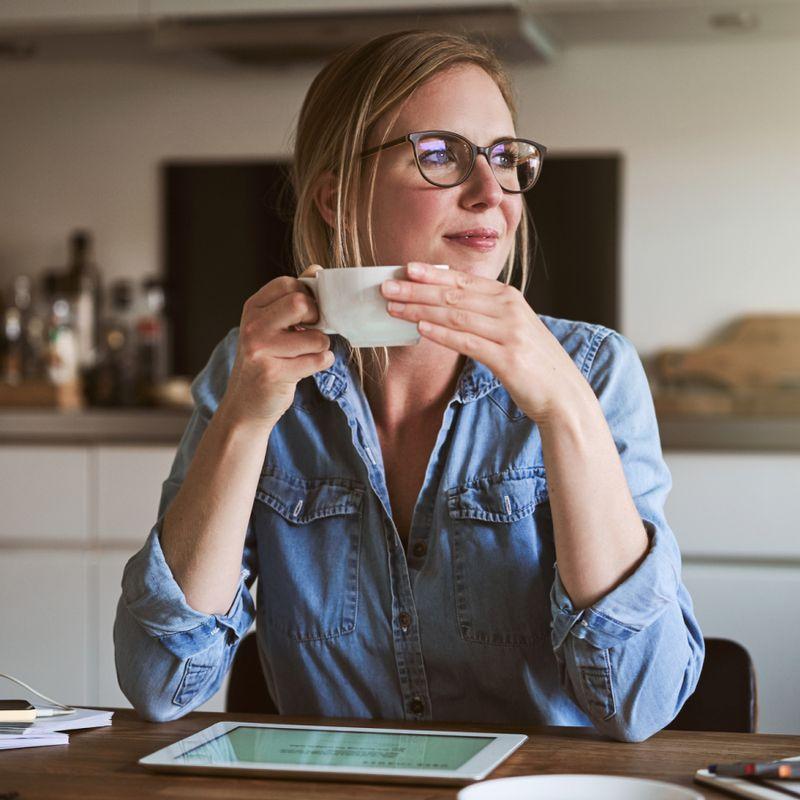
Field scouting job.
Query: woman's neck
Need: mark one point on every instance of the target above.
(419, 383)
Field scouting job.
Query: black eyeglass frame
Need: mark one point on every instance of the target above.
(413, 139)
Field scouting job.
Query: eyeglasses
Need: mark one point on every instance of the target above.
(447, 159)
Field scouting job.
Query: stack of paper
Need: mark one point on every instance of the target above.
(49, 730)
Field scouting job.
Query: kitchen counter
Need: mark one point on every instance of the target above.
(95, 426)
(165, 426)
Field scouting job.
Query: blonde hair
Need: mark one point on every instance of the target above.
(342, 106)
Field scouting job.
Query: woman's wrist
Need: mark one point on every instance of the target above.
(235, 421)
(570, 408)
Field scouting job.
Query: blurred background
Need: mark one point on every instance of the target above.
(143, 155)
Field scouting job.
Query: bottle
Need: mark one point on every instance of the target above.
(82, 289)
(114, 378)
(151, 342)
(63, 363)
(22, 350)
(34, 329)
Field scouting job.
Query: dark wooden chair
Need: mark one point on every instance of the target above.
(247, 689)
(726, 698)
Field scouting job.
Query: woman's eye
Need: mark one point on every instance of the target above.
(437, 158)
(504, 160)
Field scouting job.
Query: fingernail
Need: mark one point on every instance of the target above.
(391, 287)
(415, 268)
(393, 306)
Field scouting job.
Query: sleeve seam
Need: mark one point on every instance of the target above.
(601, 335)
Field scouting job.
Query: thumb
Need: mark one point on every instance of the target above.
(311, 271)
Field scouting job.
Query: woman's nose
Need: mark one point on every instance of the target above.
(482, 188)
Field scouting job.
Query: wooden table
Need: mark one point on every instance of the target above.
(100, 764)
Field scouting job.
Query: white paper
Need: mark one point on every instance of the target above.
(15, 743)
(82, 718)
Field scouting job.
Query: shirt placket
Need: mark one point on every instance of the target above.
(405, 630)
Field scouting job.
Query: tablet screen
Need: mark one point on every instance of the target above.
(338, 748)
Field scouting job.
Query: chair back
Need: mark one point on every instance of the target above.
(725, 698)
(247, 689)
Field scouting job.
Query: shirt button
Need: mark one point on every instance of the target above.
(584, 623)
(417, 705)
(419, 549)
(405, 621)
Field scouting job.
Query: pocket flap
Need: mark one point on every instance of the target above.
(503, 497)
(300, 501)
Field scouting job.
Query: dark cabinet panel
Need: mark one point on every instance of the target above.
(227, 232)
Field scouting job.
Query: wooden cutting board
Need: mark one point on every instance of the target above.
(752, 369)
(41, 394)
(756, 351)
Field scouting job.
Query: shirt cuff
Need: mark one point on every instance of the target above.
(155, 600)
(626, 610)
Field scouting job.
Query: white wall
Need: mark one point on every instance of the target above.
(709, 134)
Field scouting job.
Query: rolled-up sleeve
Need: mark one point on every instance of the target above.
(631, 659)
(170, 658)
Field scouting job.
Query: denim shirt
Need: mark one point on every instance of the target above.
(468, 622)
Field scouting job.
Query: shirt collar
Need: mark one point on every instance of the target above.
(476, 379)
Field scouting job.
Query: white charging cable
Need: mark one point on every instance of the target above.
(59, 709)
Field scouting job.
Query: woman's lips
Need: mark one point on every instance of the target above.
(482, 243)
(478, 238)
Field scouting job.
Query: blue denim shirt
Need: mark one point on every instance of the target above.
(470, 621)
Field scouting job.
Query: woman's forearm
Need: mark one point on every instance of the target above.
(599, 537)
(204, 529)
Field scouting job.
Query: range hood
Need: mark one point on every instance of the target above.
(282, 37)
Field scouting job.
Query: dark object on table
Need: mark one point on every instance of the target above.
(726, 695)
(247, 689)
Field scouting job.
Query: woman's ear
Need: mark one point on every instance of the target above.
(324, 196)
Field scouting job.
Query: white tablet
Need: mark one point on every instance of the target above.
(332, 753)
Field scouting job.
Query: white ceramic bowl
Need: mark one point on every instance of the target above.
(575, 787)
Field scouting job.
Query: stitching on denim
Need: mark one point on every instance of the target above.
(305, 483)
(312, 513)
(510, 473)
(600, 336)
(617, 622)
(516, 417)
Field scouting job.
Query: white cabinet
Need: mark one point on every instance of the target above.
(737, 519)
(44, 623)
(72, 517)
(744, 505)
(128, 490)
(107, 568)
(44, 494)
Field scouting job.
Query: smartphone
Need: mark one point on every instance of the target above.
(17, 711)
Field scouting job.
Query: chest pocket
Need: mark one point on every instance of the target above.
(309, 542)
(503, 556)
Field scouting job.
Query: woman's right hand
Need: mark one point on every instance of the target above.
(271, 357)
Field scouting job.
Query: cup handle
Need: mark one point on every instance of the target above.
(322, 325)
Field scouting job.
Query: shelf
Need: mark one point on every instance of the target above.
(97, 426)
(756, 434)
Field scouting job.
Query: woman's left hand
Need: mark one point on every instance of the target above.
(492, 323)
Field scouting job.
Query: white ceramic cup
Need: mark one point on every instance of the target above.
(351, 305)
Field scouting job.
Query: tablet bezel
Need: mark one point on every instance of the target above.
(477, 768)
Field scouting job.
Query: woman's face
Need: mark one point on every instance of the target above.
(415, 221)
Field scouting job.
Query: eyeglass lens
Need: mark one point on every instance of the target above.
(445, 160)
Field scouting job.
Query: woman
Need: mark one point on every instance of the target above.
(474, 532)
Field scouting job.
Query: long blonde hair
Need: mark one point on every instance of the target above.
(343, 104)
